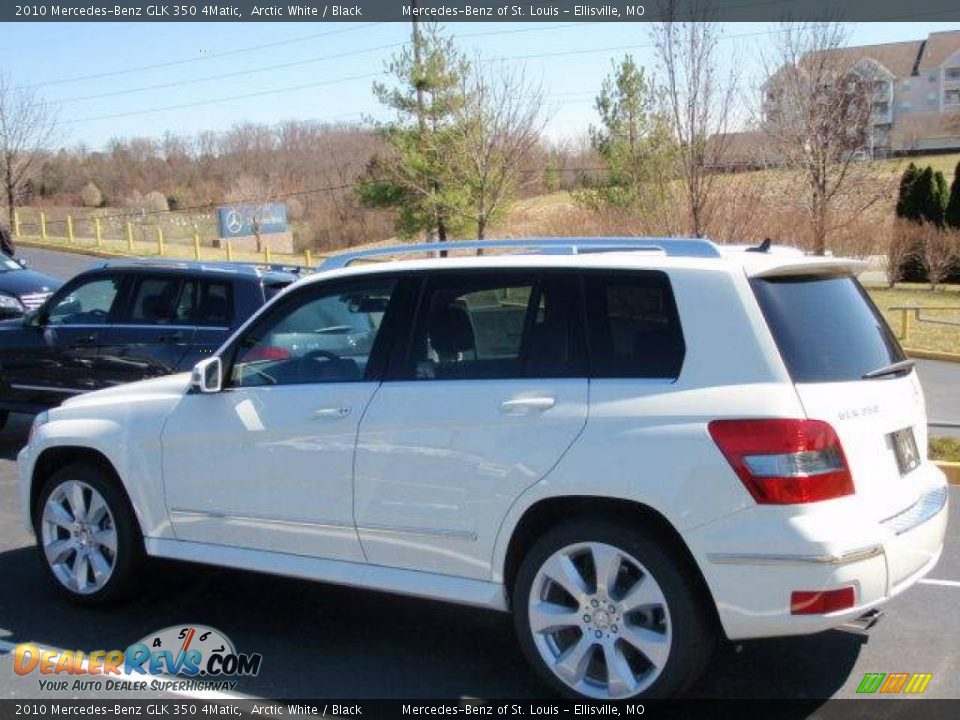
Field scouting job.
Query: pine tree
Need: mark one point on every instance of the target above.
(429, 77)
(906, 208)
(952, 214)
(938, 199)
(926, 198)
(633, 141)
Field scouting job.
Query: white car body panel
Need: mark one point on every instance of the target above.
(434, 479)
(428, 502)
(282, 478)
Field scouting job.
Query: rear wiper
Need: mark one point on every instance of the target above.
(897, 368)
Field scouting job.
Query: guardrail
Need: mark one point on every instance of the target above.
(141, 240)
(917, 310)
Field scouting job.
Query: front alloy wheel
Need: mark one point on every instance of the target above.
(88, 537)
(79, 537)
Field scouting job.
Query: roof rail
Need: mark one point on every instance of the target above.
(678, 247)
(250, 267)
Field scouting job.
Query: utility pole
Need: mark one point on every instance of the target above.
(421, 121)
(419, 82)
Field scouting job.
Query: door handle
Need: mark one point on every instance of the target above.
(523, 405)
(331, 413)
(172, 337)
(86, 340)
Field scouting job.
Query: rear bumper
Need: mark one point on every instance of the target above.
(752, 566)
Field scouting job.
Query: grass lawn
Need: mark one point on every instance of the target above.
(922, 335)
(945, 449)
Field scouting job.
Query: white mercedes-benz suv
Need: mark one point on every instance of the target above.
(637, 446)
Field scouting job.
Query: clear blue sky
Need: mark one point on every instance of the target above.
(326, 68)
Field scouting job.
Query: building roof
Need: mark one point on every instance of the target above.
(939, 47)
(899, 58)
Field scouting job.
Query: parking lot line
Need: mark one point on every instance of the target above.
(934, 581)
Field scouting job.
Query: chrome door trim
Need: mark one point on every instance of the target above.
(425, 532)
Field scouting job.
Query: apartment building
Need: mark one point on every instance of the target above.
(915, 90)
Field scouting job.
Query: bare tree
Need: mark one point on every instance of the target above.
(941, 252)
(498, 124)
(900, 252)
(27, 124)
(699, 97)
(817, 117)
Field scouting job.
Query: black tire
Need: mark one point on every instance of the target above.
(124, 582)
(693, 630)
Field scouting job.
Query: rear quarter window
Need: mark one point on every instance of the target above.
(826, 327)
(633, 326)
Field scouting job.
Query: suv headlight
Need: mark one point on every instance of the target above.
(38, 422)
(10, 305)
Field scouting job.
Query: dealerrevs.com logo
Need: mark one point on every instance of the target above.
(182, 657)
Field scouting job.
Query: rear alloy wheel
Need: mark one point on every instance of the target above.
(603, 612)
(90, 547)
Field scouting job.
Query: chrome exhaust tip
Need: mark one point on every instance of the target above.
(866, 621)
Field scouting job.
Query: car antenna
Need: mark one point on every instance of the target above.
(762, 247)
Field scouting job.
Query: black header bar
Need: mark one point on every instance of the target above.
(477, 10)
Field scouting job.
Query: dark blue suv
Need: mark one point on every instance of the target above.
(124, 321)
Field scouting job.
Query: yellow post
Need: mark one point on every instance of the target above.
(129, 236)
(266, 253)
(69, 228)
(43, 226)
(16, 225)
(160, 240)
(97, 231)
(306, 256)
(196, 244)
(229, 251)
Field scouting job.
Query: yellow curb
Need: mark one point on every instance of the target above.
(951, 470)
(932, 355)
(72, 249)
(101, 253)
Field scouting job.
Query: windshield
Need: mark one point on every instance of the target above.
(8, 263)
(827, 328)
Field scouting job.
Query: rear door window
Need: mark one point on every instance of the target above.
(496, 326)
(827, 328)
(633, 326)
(156, 301)
(213, 304)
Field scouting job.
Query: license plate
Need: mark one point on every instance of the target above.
(905, 449)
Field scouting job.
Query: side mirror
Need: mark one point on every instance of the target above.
(22, 262)
(208, 375)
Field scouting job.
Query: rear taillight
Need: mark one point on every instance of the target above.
(784, 462)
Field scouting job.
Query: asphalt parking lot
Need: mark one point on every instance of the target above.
(326, 641)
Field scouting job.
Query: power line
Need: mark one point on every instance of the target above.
(267, 68)
(213, 101)
(280, 196)
(209, 56)
(223, 76)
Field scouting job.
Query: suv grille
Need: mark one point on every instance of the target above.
(32, 301)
